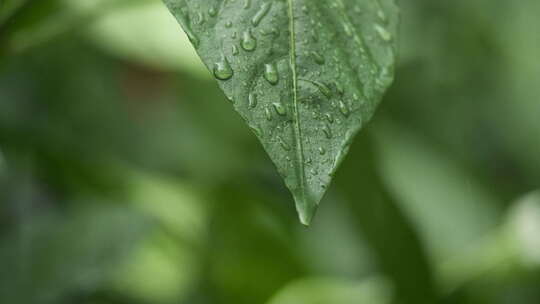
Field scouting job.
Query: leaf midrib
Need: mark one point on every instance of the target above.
(297, 130)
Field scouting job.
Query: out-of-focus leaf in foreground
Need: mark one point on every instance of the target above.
(304, 75)
(324, 290)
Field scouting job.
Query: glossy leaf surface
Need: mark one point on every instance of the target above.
(306, 75)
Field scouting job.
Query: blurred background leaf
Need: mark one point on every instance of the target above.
(320, 290)
(125, 177)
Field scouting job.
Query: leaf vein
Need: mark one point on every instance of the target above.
(297, 128)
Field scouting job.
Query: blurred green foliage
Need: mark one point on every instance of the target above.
(125, 177)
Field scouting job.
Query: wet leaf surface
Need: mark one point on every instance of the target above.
(305, 75)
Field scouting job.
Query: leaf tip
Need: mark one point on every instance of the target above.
(306, 210)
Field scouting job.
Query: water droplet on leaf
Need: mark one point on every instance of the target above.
(319, 59)
(222, 69)
(280, 109)
(268, 114)
(252, 98)
(249, 43)
(344, 108)
(327, 132)
(283, 144)
(383, 33)
(270, 73)
(329, 117)
(265, 7)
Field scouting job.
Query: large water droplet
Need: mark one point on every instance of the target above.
(222, 69)
(271, 73)
(265, 8)
(249, 43)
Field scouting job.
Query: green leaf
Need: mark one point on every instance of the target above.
(315, 290)
(305, 75)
